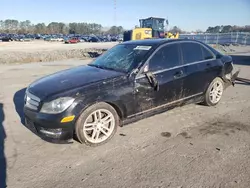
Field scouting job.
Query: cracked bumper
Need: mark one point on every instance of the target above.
(229, 79)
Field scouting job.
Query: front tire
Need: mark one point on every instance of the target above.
(214, 92)
(97, 124)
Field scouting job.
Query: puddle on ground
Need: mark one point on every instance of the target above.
(223, 127)
(166, 134)
(185, 135)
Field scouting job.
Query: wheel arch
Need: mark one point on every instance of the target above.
(208, 84)
(116, 104)
(120, 110)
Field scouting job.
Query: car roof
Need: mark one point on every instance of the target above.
(153, 18)
(155, 42)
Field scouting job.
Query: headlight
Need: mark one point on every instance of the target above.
(57, 106)
(148, 32)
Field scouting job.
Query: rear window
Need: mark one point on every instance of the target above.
(217, 53)
(206, 53)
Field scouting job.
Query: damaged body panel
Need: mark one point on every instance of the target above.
(131, 81)
(229, 75)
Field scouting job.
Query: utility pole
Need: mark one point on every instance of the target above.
(114, 12)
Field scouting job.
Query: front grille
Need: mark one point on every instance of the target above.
(31, 101)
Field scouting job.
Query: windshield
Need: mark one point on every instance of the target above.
(147, 24)
(122, 57)
(159, 25)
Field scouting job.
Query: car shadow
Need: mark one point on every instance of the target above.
(242, 81)
(3, 164)
(241, 59)
(18, 100)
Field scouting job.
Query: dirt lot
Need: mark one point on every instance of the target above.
(40, 51)
(192, 146)
(47, 46)
(43, 51)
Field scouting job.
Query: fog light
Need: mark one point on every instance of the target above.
(67, 119)
(51, 132)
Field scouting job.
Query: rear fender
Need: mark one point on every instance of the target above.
(229, 79)
(227, 64)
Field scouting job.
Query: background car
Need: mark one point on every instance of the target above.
(7, 39)
(94, 39)
(72, 40)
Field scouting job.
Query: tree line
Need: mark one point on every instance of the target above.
(228, 29)
(216, 29)
(26, 27)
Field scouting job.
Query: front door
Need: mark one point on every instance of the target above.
(144, 94)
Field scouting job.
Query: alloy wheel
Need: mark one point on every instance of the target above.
(99, 126)
(216, 91)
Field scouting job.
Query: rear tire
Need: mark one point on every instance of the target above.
(97, 124)
(214, 92)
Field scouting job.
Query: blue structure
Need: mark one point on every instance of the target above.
(220, 38)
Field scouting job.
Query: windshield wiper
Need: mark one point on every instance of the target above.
(110, 68)
(102, 67)
(97, 66)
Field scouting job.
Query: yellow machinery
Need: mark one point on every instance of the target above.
(149, 28)
(171, 35)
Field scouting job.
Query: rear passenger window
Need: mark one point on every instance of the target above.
(166, 57)
(206, 54)
(191, 52)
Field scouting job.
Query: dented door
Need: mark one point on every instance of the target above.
(164, 65)
(144, 94)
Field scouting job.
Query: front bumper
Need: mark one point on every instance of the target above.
(48, 126)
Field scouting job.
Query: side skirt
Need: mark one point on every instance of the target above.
(198, 98)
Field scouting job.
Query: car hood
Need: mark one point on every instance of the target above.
(69, 79)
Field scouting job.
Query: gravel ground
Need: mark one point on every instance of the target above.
(191, 146)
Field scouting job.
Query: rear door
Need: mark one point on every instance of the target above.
(210, 66)
(194, 66)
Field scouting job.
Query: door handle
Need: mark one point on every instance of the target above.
(178, 74)
(208, 64)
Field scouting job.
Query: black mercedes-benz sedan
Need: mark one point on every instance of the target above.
(130, 81)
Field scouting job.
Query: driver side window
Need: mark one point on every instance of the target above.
(166, 57)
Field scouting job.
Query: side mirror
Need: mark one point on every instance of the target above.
(152, 80)
(146, 69)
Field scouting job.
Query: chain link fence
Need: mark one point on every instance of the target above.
(220, 38)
